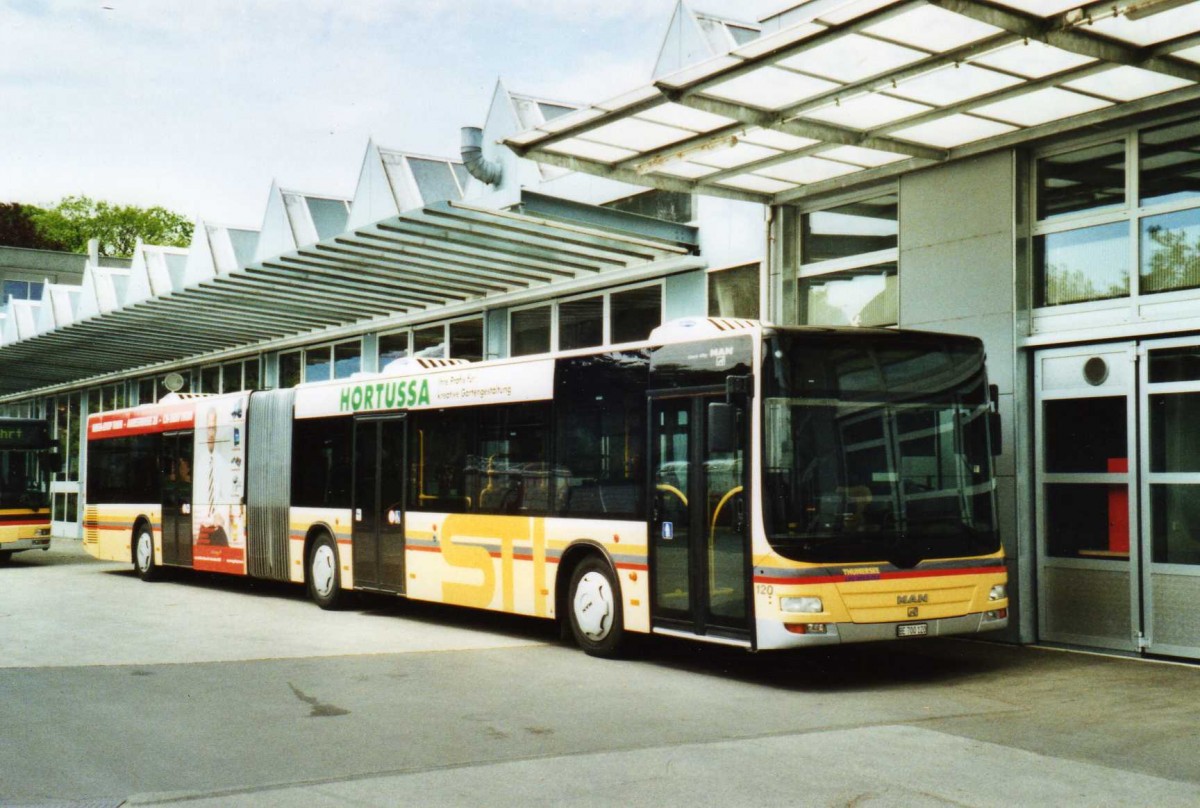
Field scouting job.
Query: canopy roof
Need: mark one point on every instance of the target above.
(863, 89)
(443, 254)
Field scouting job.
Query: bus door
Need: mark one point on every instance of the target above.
(378, 533)
(177, 452)
(699, 527)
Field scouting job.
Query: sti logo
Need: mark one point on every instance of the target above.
(903, 599)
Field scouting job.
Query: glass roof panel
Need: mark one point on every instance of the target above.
(577, 147)
(1128, 83)
(867, 111)
(849, 11)
(571, 119)
(1191, 54)
(789, 35)
(853, 58)
(1041, 106)
(689, 75)
(435, 180)
(1041, 8)
(808, 169)
(954, 83)
(776, 140)
(863, 157)
(634, 133)
(647, 93)
(770, 88)
(685, 117)
(1033, 59)
(753, 182)
(732, 156)
(953, 130)
(933, 29)
(1151, 30)
(683, 168)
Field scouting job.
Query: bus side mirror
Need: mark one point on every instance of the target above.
(993, 420)
(722, 427)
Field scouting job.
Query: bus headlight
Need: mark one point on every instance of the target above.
(801, 605)
(999, 592)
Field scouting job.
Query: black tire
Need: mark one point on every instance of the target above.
(594, 609)
(323, 573)
(143, 555)
(5, 557)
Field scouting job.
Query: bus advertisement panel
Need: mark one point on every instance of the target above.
(725, 481)
(26, 460)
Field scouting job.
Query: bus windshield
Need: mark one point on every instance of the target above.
(23, 477)
(876, 447)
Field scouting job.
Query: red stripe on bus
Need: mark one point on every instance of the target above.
(23, 522)
(886, 576)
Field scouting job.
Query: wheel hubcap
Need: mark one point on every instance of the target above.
(594, 606)
(322, 570)
(145, 551)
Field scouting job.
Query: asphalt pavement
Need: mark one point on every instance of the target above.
(211, 691)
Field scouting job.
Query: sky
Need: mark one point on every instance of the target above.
(199, 105)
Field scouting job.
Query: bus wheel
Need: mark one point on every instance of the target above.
(324, 579)
(143, 555)
(595, 609)
(5, 557)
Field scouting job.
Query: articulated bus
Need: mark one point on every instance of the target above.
(726, 481)
(26, 460)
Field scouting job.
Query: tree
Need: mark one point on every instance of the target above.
(18, 228)
(76, 219)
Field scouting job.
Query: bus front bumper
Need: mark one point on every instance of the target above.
(25, 544)
(774, 635)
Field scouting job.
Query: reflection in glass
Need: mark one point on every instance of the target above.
(530, 331)
(466, 340)
(1171, 251)
(392, 347)
(1091, 263)
(347, 359)
(1087, 520)
(289, 369)
(635, 313)
(430, 343)
(1085, 435)
(734, 292)
(1174, 438)
(859, 227)
(581, 323)
(859, 297)
(876, 449)
(1169, 163)
(317, 365)
(1175, 515)
(1175, 365)
(1090, 179)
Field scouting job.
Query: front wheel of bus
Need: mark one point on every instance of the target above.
(324, 579)
(595, 609)
(143, 555)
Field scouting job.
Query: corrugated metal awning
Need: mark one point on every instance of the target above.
(868, 89)
(443, 254)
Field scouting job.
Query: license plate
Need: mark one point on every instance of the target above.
(912, 630)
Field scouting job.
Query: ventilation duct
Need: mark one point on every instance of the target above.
(486, 171)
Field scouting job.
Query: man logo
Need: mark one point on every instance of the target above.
(903, 599)
(912, 611)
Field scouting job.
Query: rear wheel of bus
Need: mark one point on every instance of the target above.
(143, 554)
(594, 609)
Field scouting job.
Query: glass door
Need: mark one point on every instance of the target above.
(1086, 501)
(1170, 491)
(378, 534)
(699, 524)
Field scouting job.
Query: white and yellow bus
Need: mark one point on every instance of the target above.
(726, 481)
(26, 459)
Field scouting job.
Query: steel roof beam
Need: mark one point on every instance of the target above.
(370, 260)
(470, 257)
(335, 279)
(323, 287)
(1059, 31)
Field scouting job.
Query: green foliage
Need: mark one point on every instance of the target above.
(1174, 260)
(18, 228)
(76, 219)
